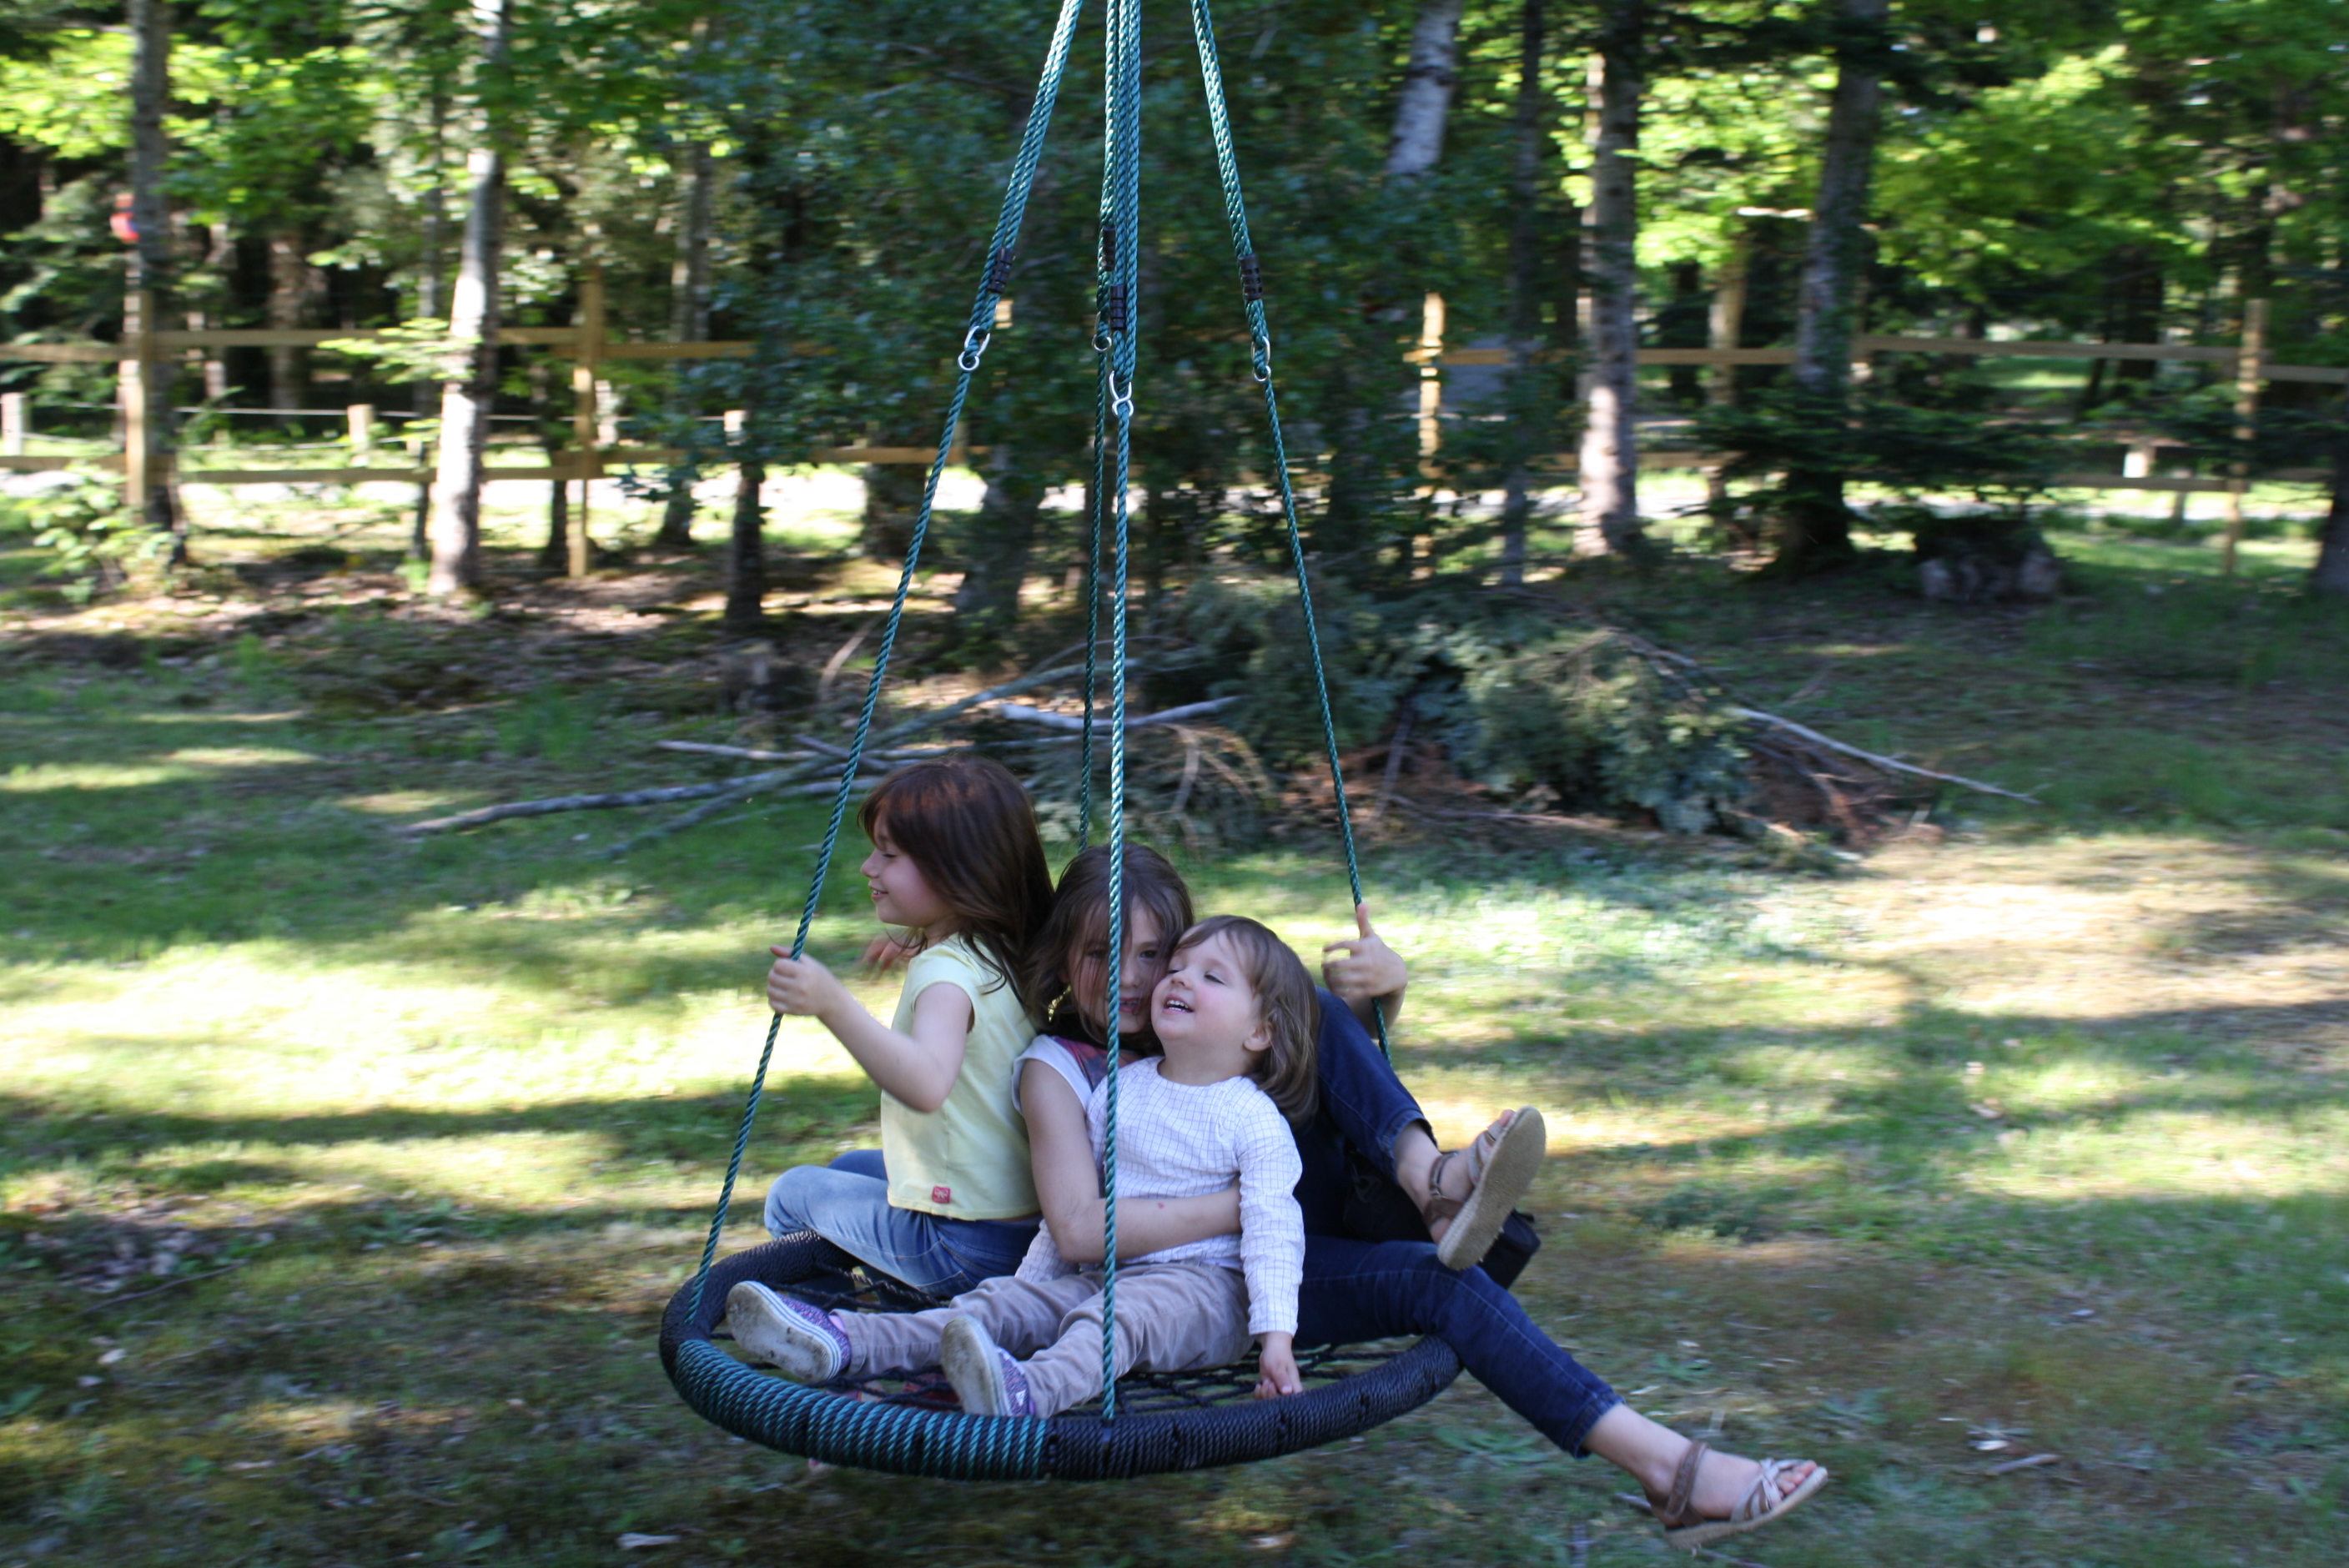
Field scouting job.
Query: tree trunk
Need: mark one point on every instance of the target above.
(1724, 326)
(466, 396)
(1427, 84)
(2137, 290)
(746, 555)
(1818, 523)
(554, 554)
(688, 314)
(289, 277)
(150, 283)
(2331, 573)
(1529, 401)
(428, 306)
(987, 604)
(1610, 457)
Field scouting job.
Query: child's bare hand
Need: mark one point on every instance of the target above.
(1364, 966)
(1276, 1364)
(886, 952)
(802, 986)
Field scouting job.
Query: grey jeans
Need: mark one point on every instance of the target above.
(1171, 1317)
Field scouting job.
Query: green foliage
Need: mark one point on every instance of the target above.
(1783, 439)
(1587, 717)
(90, 537)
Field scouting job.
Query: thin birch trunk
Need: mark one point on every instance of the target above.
(466, 396)
(1529, 401)
(1427, 86)
(1818, 524)
(1609, 458)
(151, 91)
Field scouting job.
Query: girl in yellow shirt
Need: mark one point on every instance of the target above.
(948, 1198)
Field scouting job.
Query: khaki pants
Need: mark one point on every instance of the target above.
(1171, 1317)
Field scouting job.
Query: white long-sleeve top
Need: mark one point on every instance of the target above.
(1186, 1140)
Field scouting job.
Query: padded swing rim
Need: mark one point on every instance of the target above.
(951, 1446)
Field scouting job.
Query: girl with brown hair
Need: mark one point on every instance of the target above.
(949, 1199)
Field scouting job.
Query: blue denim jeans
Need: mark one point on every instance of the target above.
(1360, 1104)
(847, 1204)
(1355, 1291)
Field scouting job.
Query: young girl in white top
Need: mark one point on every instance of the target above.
(948, 1198)
(1235, 1017)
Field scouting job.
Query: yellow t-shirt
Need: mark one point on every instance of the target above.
(968, 1159)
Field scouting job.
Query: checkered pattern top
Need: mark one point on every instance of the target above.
(1186, 1140)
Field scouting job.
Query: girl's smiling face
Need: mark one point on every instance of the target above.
(901, 895)
(1138, 969)
(1206, 1000)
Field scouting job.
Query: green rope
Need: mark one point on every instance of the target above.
(973, 348)
(1219, 126)
(1122, 159)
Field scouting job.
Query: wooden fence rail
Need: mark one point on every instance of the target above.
(587, 344)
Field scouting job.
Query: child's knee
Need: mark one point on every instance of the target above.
(787, 1207)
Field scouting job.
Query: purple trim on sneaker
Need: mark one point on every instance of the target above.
(1015, 1393)
(817, 1318)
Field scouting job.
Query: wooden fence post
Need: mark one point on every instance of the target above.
(588, 355)
(1431, 382)
(2247, 409)
(360, 416)
(14, 424)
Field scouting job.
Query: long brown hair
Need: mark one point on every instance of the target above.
(1285, 1000)
(969, 826)
(1080, 918)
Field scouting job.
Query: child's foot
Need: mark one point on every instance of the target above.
(798, 1340)
(985, 1378)
(1471, 1190)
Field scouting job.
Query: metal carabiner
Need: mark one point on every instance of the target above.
(1260, 357)
(974, 347)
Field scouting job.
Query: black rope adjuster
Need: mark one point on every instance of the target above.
(1108, 247)
(1251, 278)
(1113, 308)
(999, 270)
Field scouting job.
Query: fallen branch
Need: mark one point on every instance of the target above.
(167, 1285)
(1871, 759)
(725, 792)
(1023, 714)
(661, 797)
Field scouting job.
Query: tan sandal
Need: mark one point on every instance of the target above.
(1502, 1164)
(1685, 1530)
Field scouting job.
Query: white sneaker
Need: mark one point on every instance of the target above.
(984, 1376)
(798, 1340)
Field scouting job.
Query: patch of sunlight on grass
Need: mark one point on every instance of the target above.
(237, 757)
(2174, 1154)
(401, 802)
(529, 1171)
(262, 1029)
(42, 777)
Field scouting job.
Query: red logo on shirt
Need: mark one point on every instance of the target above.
(941, 1194)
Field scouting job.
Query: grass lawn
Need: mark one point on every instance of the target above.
(344, 1177)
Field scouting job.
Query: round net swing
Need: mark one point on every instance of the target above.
(1146, 1422)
